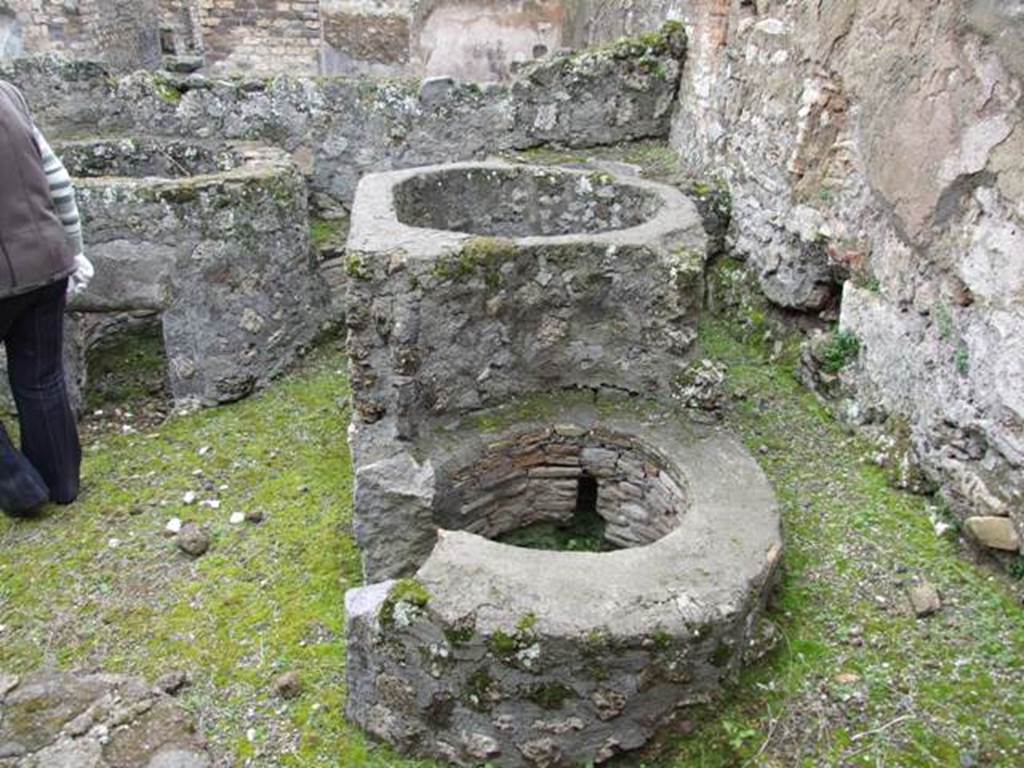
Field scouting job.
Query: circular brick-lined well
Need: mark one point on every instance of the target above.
(521, 657)
(547, 475)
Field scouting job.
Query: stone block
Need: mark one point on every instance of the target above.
(994, 532)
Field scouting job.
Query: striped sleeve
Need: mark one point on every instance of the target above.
(62, 193)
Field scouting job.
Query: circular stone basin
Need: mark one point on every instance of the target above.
(521, 202)
(520, 657)
(214, 240)
(551, 297)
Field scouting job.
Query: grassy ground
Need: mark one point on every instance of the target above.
(857, 680)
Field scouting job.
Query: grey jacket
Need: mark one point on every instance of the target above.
(34, 248)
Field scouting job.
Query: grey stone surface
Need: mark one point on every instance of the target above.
(994, 532)
(60, 720)
(910, 188)
(924, 599)
(526, 657)
(217, 242)
(348, 127)
(443, 321)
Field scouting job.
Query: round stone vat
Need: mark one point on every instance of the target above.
(522, 657)
(214, 239)
(522, 202)
(474, 282)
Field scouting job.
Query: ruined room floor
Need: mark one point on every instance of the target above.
(855, 679)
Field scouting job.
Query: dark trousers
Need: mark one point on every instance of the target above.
(47, 467)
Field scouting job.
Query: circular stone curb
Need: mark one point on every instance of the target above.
(537, 658)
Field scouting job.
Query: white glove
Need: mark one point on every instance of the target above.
(81, 276)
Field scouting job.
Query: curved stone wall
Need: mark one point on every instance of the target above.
(442, 322)
(520, 657)
(218, 245)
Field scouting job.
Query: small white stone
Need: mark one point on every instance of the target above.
(211, 503)
(204, 450)
(250, 734)
(189, 497)
(114, 543)
(237, 518)
(173, 525)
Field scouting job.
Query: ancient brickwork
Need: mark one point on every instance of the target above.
(261, 35)
(181, 26)
(122, 33)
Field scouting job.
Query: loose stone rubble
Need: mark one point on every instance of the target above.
(50, 720)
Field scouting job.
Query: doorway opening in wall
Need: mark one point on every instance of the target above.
(125, 383)
(583, 532)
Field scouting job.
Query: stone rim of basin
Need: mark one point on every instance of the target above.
(376, 225)
(538, 657)
(725, 546)
(233, 160)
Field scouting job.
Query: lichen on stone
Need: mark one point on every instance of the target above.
(405, 600)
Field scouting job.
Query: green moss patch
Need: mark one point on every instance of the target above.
(127, 368)
(407, 591)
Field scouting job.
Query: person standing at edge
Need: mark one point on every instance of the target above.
(42, 265)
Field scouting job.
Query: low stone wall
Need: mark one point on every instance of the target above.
(339, 129)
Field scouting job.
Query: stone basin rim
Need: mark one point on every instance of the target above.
(376, 227)
(726, 547)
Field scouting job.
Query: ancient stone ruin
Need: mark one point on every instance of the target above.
(516, 334)
(523, 314)
(213, 241)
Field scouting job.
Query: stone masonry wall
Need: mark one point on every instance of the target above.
(896, 179)
(338, 129)
(366, 36)
(122, 33)
(591, 22)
